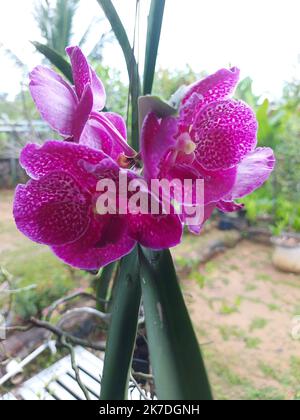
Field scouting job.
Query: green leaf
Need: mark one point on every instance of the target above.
(149, 104)
(103, 286)
(56, 59)
(155, 21)
(175, 355)
(122, 331)
(131, 62)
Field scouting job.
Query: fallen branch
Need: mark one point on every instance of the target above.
(69, 347)
(60, 334)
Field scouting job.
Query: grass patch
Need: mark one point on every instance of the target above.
(258, 324)
(263, 394)
(228, 375)
(210, 267)
(269, 372)
(295, 367)
(264, 277)
(274, 308)
(199, 278)
(228, 332)
(228, 309)
(250, 287)
(37, 266)
(252, 342)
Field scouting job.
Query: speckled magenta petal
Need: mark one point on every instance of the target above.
(39, 161)
(98, 92)
(96, 136)
(118, 122)
(156, 232)
(54, 98)
(253, 172)
(208, 211)
(119, 142)
(217, 184)
(80, 68)
(158, 137)
(83, 75)
(82, 113)
(229, 206)
(216, 87)
(53, 210)
(96, 248)
(225, 132)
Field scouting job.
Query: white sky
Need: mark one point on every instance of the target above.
(261, 37)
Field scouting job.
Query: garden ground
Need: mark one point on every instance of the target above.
(242, 308)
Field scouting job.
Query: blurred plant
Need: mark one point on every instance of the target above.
(279, 128)
(245, 93)
(56, 22)
(167, 82)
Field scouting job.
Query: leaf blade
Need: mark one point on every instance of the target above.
(102, 286)
(56, 59)
(122, 331)
(155, 21)
(177, 362)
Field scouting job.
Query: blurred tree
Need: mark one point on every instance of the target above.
(56, 22)
(245, 92)
(55, 18)
(168, 82)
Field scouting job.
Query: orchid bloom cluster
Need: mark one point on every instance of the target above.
(213, 139)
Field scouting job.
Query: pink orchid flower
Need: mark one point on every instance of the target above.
(75, 112)
(58, 208)
(214, 139)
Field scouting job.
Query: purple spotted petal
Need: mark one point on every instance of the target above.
(216, 87)
(54, 98)
(68, 157)
(229, 206)
(157, 139)
(217, 184)
(97, 136)
(80, 68)
(253, 172)
(208, 211)
(96, 248)
(156, 232)
(82, 113)
(225, 132)
(53, 210)
(119, 142)
(83, 75)
(118, 122)
(98, 92)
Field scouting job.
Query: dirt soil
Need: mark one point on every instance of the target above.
(244, 311)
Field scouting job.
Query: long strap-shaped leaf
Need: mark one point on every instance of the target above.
(177, 362)
(56, 59)
(103, 286)
(122, 331)
(153, 37)
(132, 65)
